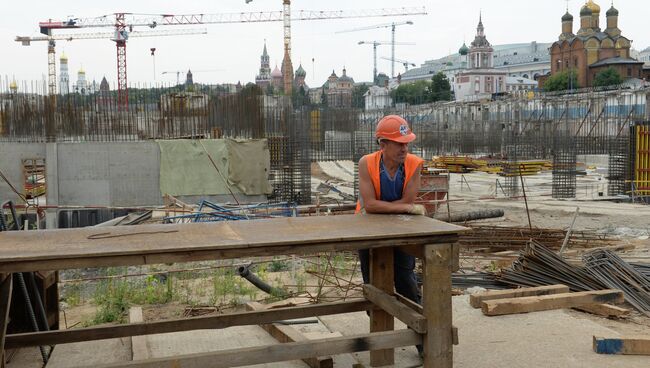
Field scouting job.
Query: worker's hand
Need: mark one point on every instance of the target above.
(417, 209)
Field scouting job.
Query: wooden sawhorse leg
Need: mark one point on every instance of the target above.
(439, 261)
(5, 302)
(381, 277)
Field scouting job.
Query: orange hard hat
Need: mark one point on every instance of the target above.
(394, 128)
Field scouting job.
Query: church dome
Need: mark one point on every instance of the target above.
(567, 17)
(463, 49)
(612, 12)
(300, 72)
(276, 72)
(64, 57)
(13, 85)
(585, 11)
(595, 8)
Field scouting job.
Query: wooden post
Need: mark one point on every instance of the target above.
(436, 300)
(5, 302)
(382, 277)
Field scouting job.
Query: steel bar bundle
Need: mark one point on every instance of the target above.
(515, 238)
(615, 273)
(538, 266)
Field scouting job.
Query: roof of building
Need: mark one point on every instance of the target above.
(595, 8)
(567, 16)
(463, 49)
(64, 57)
(345, 78)
(276, 72)
(612, 11)
(300, 72)
(616, 61)
(585, 11)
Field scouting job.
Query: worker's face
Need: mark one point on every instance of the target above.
(394, 151)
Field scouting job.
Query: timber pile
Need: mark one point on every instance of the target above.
(502, 302)
(496, 238)
(539, 266)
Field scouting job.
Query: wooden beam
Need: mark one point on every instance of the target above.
(5, 301)
(436, 300)
(475, 300)
(382, 277)
(285, 334)
(196, 323)
(605, 310)
(390, 304)
(139, 348)
(547, 302)
(280, 352)
(633, 345)
(418, 308)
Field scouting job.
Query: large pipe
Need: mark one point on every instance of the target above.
(245, 272)
(469, 216)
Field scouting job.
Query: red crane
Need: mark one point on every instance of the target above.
(125, 22)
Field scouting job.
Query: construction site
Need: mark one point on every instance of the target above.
(182, 226)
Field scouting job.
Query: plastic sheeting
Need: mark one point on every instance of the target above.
(185, 168)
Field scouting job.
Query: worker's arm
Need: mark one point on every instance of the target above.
(373, 205)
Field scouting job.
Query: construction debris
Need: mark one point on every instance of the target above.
(498, 307)
(622, 345)
(497, 238)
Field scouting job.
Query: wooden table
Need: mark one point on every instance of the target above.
(431, 240)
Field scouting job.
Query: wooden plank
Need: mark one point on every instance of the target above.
(632, 345)
(605, 310)
(390, 304)
(138, 244)
(281, 352)
(436, 300)
(547, 302)
(418, 308)
(139, 348)
(475, 300)
(196, 323)
(382, 278)
(5, 301)
(285, 334)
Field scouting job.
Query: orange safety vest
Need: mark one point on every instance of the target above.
(411, 165)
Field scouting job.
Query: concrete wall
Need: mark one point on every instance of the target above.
(11, 155)
(109, 174)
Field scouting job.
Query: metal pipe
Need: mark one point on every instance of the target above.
(245, 272)
(30, 311)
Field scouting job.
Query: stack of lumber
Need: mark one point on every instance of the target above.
(524, 300)
(527, 168)
(455, 164)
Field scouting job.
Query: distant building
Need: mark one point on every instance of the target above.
(299, 79)
(263, 79)
(644, 56)
(189, 79)
(377, 98)
(64, 77)
(82, 86)
(277, 79)
(480, 79)
(339, 90)
(591, 50)
(104, 100)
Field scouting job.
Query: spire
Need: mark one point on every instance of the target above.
(480, 30)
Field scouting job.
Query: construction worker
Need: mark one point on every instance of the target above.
(389, 181)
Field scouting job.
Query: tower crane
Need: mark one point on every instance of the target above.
(387, 25)
(374, 52)
(123, 22)
(51, 40)
(403, 62)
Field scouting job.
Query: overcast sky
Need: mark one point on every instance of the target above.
(230, 53)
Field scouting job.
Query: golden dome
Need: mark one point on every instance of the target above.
(13, 85)
(63, 57)
(595, 8)
(81, 70)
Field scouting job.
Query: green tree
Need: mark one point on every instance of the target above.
(412, 93)
(323, 97)
(357, 95)
(608, 77)
(299, 97)
(440, 88)
(562, 81)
